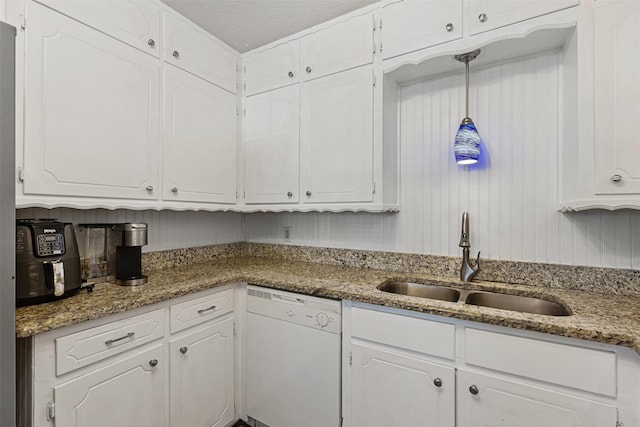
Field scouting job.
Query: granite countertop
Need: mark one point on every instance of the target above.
(596, 317)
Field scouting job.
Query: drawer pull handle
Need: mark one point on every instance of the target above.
(129, 335)
(213, 307)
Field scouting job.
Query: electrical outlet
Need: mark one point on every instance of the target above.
(287, 233)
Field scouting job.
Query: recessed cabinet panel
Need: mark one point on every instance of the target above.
(617, 70)
(485, 15)
(135, 22)
(396, 390)
(199, 140)
(272, 68)
(337, 138)
(345, 45)
(202, 377)
(199, 53)
(488, 401)
(91, 108)
(126, 393)
(417, 24)
(271, 146)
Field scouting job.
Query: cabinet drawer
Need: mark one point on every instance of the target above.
(195, 311)
(424, 336)
(135, 22)
(83, 348)
(581, 368)
(199, 53)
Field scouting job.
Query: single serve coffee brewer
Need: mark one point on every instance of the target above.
(112, 252)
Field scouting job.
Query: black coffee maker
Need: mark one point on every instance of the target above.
(129, 253)
(47, 261)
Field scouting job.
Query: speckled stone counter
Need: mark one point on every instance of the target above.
(612, 319)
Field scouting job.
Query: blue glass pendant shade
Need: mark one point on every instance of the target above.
(467, 144)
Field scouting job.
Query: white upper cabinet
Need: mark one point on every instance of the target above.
(336, 131)
(199, 140)
(91, 112)
(135, 22)
(199, 53)
(485, 15)
(616, 74)
(272, 68)
(347, 44)
(412, 25)
(271, 146)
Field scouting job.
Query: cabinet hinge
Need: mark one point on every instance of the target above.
(373, 74)
(374, 188)
(234, 329)
(374, 23)
(51, 410)
(374, 48)
(380, 26)
(380, 47)
(350, 359)
(20, 175)
(23, 22)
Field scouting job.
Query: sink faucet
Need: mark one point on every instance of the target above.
(467, 271)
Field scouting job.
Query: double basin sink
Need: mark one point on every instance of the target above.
(497, 300)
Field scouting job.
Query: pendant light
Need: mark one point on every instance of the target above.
(467, 144)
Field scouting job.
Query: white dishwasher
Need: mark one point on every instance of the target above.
(293, 359)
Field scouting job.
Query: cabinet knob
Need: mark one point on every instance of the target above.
(149, 188)
(437, 382)
(174, 190)
(153, 363)
(308, 193)
(290, 74)
(482, 17)
(176, 54)
(151, 42)
(308, 69)
(449, 27)
(616, 178)
(184, 350)
(289, 194)
(473, 390)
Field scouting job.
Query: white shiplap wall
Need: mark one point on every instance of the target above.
(511, 196)
(167, 229)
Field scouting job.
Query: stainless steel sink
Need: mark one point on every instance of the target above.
(421, 290)
(497, 300)
(517, 303)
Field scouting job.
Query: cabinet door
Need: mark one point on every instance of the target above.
(135, 22)
(495, 402)
(393, 389)
(199, 140)
(91, 108)
(202, 377)
(485, 15)
(617, 30)
(336, 132)
(416, 24)
(345, 45)
(272, 68)
(199, 53)
(270, 144)
(127, 393)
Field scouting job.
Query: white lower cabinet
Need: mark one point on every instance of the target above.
(201, 377)
(485, 400)
(402, 369)
(392, 388)
(129, 379)
(127, 393)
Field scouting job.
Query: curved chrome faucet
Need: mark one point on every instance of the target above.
(467, 271)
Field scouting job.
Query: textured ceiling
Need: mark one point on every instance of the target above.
(247, 24)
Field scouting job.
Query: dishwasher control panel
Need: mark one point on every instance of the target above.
(304, 310)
